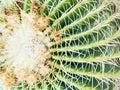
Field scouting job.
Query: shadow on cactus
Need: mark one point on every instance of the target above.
(59, 45)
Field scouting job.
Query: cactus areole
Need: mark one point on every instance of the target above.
(26, 46)
(59, 45)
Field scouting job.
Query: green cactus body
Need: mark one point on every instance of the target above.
(59, 45)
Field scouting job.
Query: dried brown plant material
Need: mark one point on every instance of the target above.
(2, 45)
(56, 35)
(7, 11)
(10, 79)
(2, 69)
(35, 7)
(41, 23)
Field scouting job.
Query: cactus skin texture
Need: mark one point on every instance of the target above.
(85, 50)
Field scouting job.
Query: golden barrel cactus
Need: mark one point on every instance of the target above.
(59, 45)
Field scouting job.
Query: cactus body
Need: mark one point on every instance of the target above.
(59, 45)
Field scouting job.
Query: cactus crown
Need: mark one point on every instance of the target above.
(59, 44)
